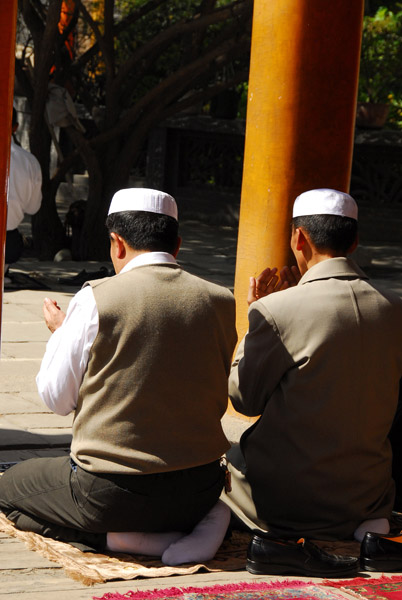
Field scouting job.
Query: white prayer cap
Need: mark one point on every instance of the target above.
(325, 202)
(144, 199)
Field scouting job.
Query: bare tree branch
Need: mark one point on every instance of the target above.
(134, 144)
(34, 18)
(120, 28)
(97, 32)
(239, 9)
(43, 63)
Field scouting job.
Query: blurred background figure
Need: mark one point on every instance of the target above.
(24, 196)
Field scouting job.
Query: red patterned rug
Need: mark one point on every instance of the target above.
(383, 588)
(278, 590)
(372, 588)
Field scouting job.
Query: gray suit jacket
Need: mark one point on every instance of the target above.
(321, 364)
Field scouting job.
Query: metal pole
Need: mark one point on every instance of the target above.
(8, 21)
(300, 122)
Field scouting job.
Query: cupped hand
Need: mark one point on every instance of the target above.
(289, 277)
(54, 316)
(262, 285)
(269, 282)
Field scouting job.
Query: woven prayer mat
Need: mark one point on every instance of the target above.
(90, 568)
(278, 590)
(382, 588)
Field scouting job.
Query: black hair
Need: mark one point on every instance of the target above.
(329, 232)
(145, 230)
(14, 121)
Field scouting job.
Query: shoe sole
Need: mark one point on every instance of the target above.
(257, 568)
(384, 566)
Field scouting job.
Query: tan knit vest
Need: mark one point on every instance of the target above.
(155, 387)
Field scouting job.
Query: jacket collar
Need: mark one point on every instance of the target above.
(340, 267)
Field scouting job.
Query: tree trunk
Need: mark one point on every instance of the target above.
(47, 230)
(94, 237)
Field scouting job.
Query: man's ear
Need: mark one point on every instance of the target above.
(300, 238)
(178, 244)
(119, 244)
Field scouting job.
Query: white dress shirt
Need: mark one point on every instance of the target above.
(24, 187)
(67, 351)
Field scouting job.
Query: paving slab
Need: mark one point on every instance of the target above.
(12, 403)
(24, 350)
(32, 300)
(15, 402)
(38, 421)
(18, 375)
(23, 331)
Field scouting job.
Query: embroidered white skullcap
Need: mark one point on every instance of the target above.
(144, 199)
(325, 202)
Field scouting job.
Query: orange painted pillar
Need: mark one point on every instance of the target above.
(300, 122)
(8, 20)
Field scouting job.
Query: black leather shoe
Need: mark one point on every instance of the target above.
(286, 557)
(381, 552)
(396, 519)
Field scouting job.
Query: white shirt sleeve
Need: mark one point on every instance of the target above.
(67, 353)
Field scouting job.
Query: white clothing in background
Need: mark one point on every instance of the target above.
(25, 186)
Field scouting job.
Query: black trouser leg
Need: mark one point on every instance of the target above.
(14, 246)
(36, 495)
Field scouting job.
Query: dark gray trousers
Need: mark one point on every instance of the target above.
(57, 499)
(14, 246)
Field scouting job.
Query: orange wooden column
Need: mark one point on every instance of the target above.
(8, 20)
(300, 122)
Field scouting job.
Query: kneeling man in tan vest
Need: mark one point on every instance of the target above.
(142, 359)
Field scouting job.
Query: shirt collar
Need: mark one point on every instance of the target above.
(333, 267)
(149, 258)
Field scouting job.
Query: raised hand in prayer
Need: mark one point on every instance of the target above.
(54, 316)
(269, 281)
(289, 277)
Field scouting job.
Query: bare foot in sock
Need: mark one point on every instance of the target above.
(203, 542)
(136, 542)
(373, 525)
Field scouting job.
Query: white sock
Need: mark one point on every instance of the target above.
(373, 525)
(138, 542)
(203, 542)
